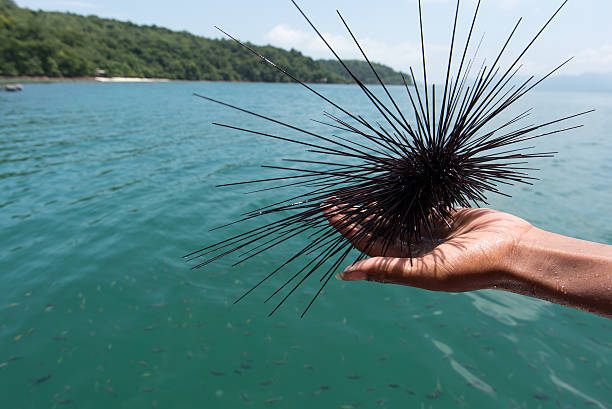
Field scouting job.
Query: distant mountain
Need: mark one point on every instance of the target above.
(362, 70)
(39, 43)
(593, 82)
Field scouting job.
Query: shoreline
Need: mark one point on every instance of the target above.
(44, 79)
(129, 79)
(50, 80)
(13, 80)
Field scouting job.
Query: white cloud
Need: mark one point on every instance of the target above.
(399, 55)
(79, 4)
(402, 55)
(59, 4)
(509, 4)
(597, 59)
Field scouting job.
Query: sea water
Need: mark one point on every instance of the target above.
(103, 189)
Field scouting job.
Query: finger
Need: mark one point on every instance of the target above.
(350, 223)
(427, 272)
(344, 223)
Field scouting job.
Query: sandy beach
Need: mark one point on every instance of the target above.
(129, 79)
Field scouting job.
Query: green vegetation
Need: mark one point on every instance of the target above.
(362, 70)
(52, 44)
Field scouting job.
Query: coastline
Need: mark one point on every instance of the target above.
(44, 79)
(51, 80)
(129, 79)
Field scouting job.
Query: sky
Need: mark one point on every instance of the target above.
(388, 30)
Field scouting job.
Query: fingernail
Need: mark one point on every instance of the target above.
(354, 275)
(340, 276)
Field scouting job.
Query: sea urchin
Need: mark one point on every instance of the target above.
(393, 179)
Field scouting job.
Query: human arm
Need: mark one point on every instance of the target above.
(487, 249)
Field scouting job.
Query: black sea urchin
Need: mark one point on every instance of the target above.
(393, 178)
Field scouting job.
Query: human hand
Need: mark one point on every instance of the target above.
(474, 252)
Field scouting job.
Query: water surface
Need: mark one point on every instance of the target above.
(103, 187)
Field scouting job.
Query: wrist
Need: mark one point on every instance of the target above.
(562, 270)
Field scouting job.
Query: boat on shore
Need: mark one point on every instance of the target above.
(12, 87)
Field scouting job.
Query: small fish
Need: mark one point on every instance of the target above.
(245, 366)
(541, 396)
(294, 347)
(150, 328)
(110, 391)
(393, 385)
(157, 305)
(237, 372)
(148, 390)
(409, 392)
(272, 400)
(308, 366)
(14, 358)
(64, 402)
(279, 363)
(158, 350)
(316, 393)
(434, 395)
(266, 383)
(43, 379)
(217, 373)
(324, 387)
(147, 375)
(383, 358)
(381, 402)
(143, 363)
(3, 365)
(354, 377)
(244, 397)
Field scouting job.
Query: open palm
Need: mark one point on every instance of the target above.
(470, 253)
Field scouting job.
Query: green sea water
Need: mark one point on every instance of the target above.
(104, 187)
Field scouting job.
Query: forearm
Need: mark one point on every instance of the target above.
(562, 270)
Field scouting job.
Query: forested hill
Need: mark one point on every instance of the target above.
(53, 44)
(362, 70)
